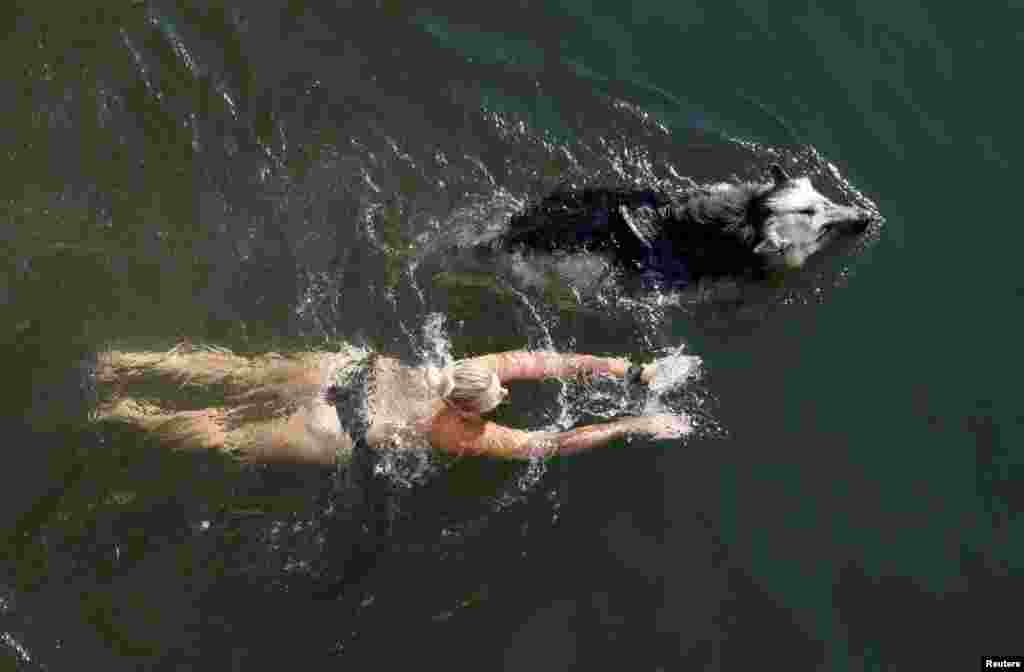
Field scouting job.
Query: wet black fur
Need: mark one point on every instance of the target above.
(700, 234)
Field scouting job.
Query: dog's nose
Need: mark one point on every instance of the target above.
(861, 224)
(867, 218)
(854, 219)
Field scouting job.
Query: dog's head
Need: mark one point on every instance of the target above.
(798, 221)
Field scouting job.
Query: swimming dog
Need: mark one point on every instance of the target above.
(747, 231)
(728, 244)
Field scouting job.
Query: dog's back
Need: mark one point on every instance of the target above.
(667, 240)
(742, 231)
(590, 219)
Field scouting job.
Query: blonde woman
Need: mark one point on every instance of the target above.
(314, 408)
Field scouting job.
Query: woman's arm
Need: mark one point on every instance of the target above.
(458, 435)
(538, 364)
(592, 436)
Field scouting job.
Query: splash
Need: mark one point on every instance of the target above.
(668, 391)
(437, 346)
(22, 654)
(405, 462)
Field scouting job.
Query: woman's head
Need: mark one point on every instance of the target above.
(473, 388)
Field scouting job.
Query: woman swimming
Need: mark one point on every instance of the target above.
(313, 408)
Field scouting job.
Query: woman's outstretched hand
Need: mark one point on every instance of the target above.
(667, 426)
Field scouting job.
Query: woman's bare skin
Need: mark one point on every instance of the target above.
(455, 433)
(406, 408)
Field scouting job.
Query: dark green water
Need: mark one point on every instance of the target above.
(172, 171)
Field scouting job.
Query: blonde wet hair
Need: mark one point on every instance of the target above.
(472, 387)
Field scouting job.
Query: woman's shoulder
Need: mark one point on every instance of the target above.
(455, 433)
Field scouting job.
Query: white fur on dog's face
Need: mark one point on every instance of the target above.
(794, 195)
(802, 221)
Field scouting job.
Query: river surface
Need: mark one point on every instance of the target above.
(273, 177)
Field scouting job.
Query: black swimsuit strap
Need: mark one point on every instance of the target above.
(349, 394)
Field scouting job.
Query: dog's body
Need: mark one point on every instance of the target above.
(745, 233)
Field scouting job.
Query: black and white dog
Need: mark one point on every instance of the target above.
(750, 232)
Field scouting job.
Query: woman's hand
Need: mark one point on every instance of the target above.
(666, 426)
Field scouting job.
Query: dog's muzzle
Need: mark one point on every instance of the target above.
(850, 219)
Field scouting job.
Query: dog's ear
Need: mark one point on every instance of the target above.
(778, 174)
